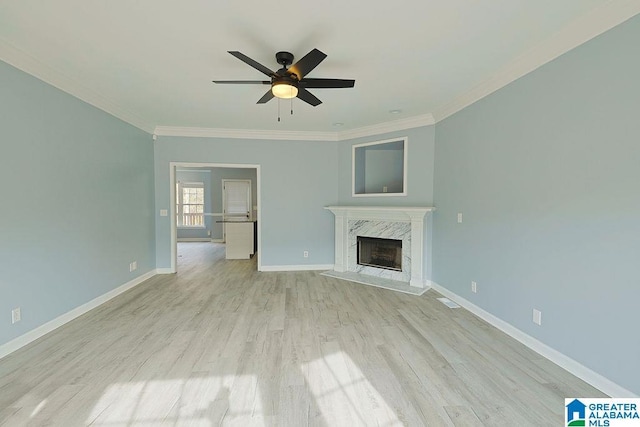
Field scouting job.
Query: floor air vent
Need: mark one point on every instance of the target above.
(448, 303)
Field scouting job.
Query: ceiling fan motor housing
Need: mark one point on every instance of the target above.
(284, 58)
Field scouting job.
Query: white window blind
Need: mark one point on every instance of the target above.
(237, 197)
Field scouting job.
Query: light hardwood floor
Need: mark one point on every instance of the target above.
(221, 344)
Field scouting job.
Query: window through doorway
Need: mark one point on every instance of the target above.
(190, 204)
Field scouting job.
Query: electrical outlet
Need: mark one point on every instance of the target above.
(15, 315)
(164, 212)
(305, 254)
(133, 266)
(537, 317)
(459, 217)
(474, 287)
(209, 233)
(385, 189)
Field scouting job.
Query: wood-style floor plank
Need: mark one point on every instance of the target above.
(221, 344)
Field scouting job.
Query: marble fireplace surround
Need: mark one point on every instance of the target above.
(402, 223)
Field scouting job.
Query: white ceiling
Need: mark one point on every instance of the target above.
(151, 62)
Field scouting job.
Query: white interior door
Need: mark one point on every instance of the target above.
(236, 200)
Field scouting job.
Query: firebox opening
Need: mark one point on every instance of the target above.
(381, 253)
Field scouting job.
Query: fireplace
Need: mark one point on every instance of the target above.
(404, 224)
(380, 253)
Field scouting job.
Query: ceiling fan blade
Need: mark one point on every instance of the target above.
(258, 66)
(307, 63)
(327, 83)
(308, 97)
(266, 98)
(242, 82)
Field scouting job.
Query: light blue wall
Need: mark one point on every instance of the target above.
(546, 172)
(204, 176)
(297, 180)
(76, 202)
(384, 168)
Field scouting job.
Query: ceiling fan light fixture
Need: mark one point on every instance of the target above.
(284, 90)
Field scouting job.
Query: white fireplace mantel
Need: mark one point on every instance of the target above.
(413, 215)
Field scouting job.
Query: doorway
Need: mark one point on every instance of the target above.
(238, 198)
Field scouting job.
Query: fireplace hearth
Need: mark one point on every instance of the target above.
(380, 253)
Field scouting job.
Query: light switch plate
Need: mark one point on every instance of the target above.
(16, 316)
(537, 317)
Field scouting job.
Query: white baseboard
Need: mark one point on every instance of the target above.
(194, 239)
(307, 267)
(595, 379)
(164, 271)
(44, 329)
(217, 240)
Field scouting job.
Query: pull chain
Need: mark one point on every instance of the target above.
(278, 109)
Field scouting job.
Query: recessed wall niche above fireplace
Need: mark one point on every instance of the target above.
(379, 168)
(394, 244)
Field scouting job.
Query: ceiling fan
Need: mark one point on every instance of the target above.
(290, 82)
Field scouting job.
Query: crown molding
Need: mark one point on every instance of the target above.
(393, 126)
(30, 65)
(195, 132)
(581, 30)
